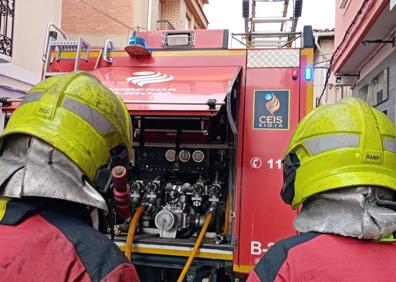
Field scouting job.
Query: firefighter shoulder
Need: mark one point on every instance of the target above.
(56, 143)
(341, 167)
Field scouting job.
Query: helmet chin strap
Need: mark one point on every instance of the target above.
(290, 165)
(386, 203)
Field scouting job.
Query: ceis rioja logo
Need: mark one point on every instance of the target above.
(271, 109)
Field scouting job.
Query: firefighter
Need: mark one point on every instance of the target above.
(57, 146)
(341, 167)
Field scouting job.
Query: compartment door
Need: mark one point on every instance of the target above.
(271, 114)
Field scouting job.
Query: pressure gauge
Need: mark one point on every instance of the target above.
(170, 155)
(198, 156)
(184, 156)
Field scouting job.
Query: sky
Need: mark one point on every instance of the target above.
(227, 14)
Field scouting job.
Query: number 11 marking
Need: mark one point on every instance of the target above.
(277, 163)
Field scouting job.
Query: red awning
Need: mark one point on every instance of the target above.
(189, 91)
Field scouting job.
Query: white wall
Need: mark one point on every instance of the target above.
(31, 19)
(333, 93)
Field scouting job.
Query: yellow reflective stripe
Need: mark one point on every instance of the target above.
(390, 144)
(161, 53)
(182, 252)
(32, 97)
(3, 206)
(319, 144)
(90, 115)
(243, 268)
(309, 54)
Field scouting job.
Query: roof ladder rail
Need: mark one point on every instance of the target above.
(255, 26)
(53, 44)
(270, 20)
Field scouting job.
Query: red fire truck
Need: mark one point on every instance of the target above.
(210, 126)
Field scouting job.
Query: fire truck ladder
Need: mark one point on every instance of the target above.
(60, 45)
(254, 38)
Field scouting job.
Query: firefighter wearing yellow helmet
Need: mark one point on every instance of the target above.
(56, 154)
(340, 167)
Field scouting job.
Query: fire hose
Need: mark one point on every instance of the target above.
(121, 191)
(122, 199)
(131, 231)
(196, 247)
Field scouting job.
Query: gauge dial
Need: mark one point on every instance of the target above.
(184, 156)
(170, 155)
(198, 156)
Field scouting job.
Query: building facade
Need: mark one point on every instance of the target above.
(365, 57)
(324, 49)
(97, 21)
(22, 35)
(20, 65)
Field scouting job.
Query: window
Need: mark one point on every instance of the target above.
(363, 92)
(377, 91)
(379, 88)
(6, 26)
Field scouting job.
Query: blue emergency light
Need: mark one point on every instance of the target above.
(137, 47)
(308, 73)
(134, 40)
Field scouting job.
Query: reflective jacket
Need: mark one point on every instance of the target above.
(51, 240)
(324, 257)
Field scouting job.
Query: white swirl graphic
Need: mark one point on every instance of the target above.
(142, 78)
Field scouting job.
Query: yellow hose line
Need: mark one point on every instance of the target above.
(131, 231)
(196, 247)
(227, 215)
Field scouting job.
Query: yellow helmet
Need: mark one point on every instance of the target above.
(336, 146)
(77, 115)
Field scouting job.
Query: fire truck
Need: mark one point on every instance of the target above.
(210, 126)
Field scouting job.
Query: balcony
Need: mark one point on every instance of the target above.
(6, 29)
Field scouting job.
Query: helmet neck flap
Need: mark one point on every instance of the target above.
(359, 212)
(33, 168)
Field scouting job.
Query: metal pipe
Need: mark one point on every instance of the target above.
(109, 45)
(323, 34)
(267, 34)
(150, 4)
(317, 44)
(269, 43)
(98, 59)
(271, 20)
(46, 42)
(240, 41)
(285, 8)
(274, 43)
(291, 41)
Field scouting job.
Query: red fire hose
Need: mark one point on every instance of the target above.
(122, 197)
(121, 191)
